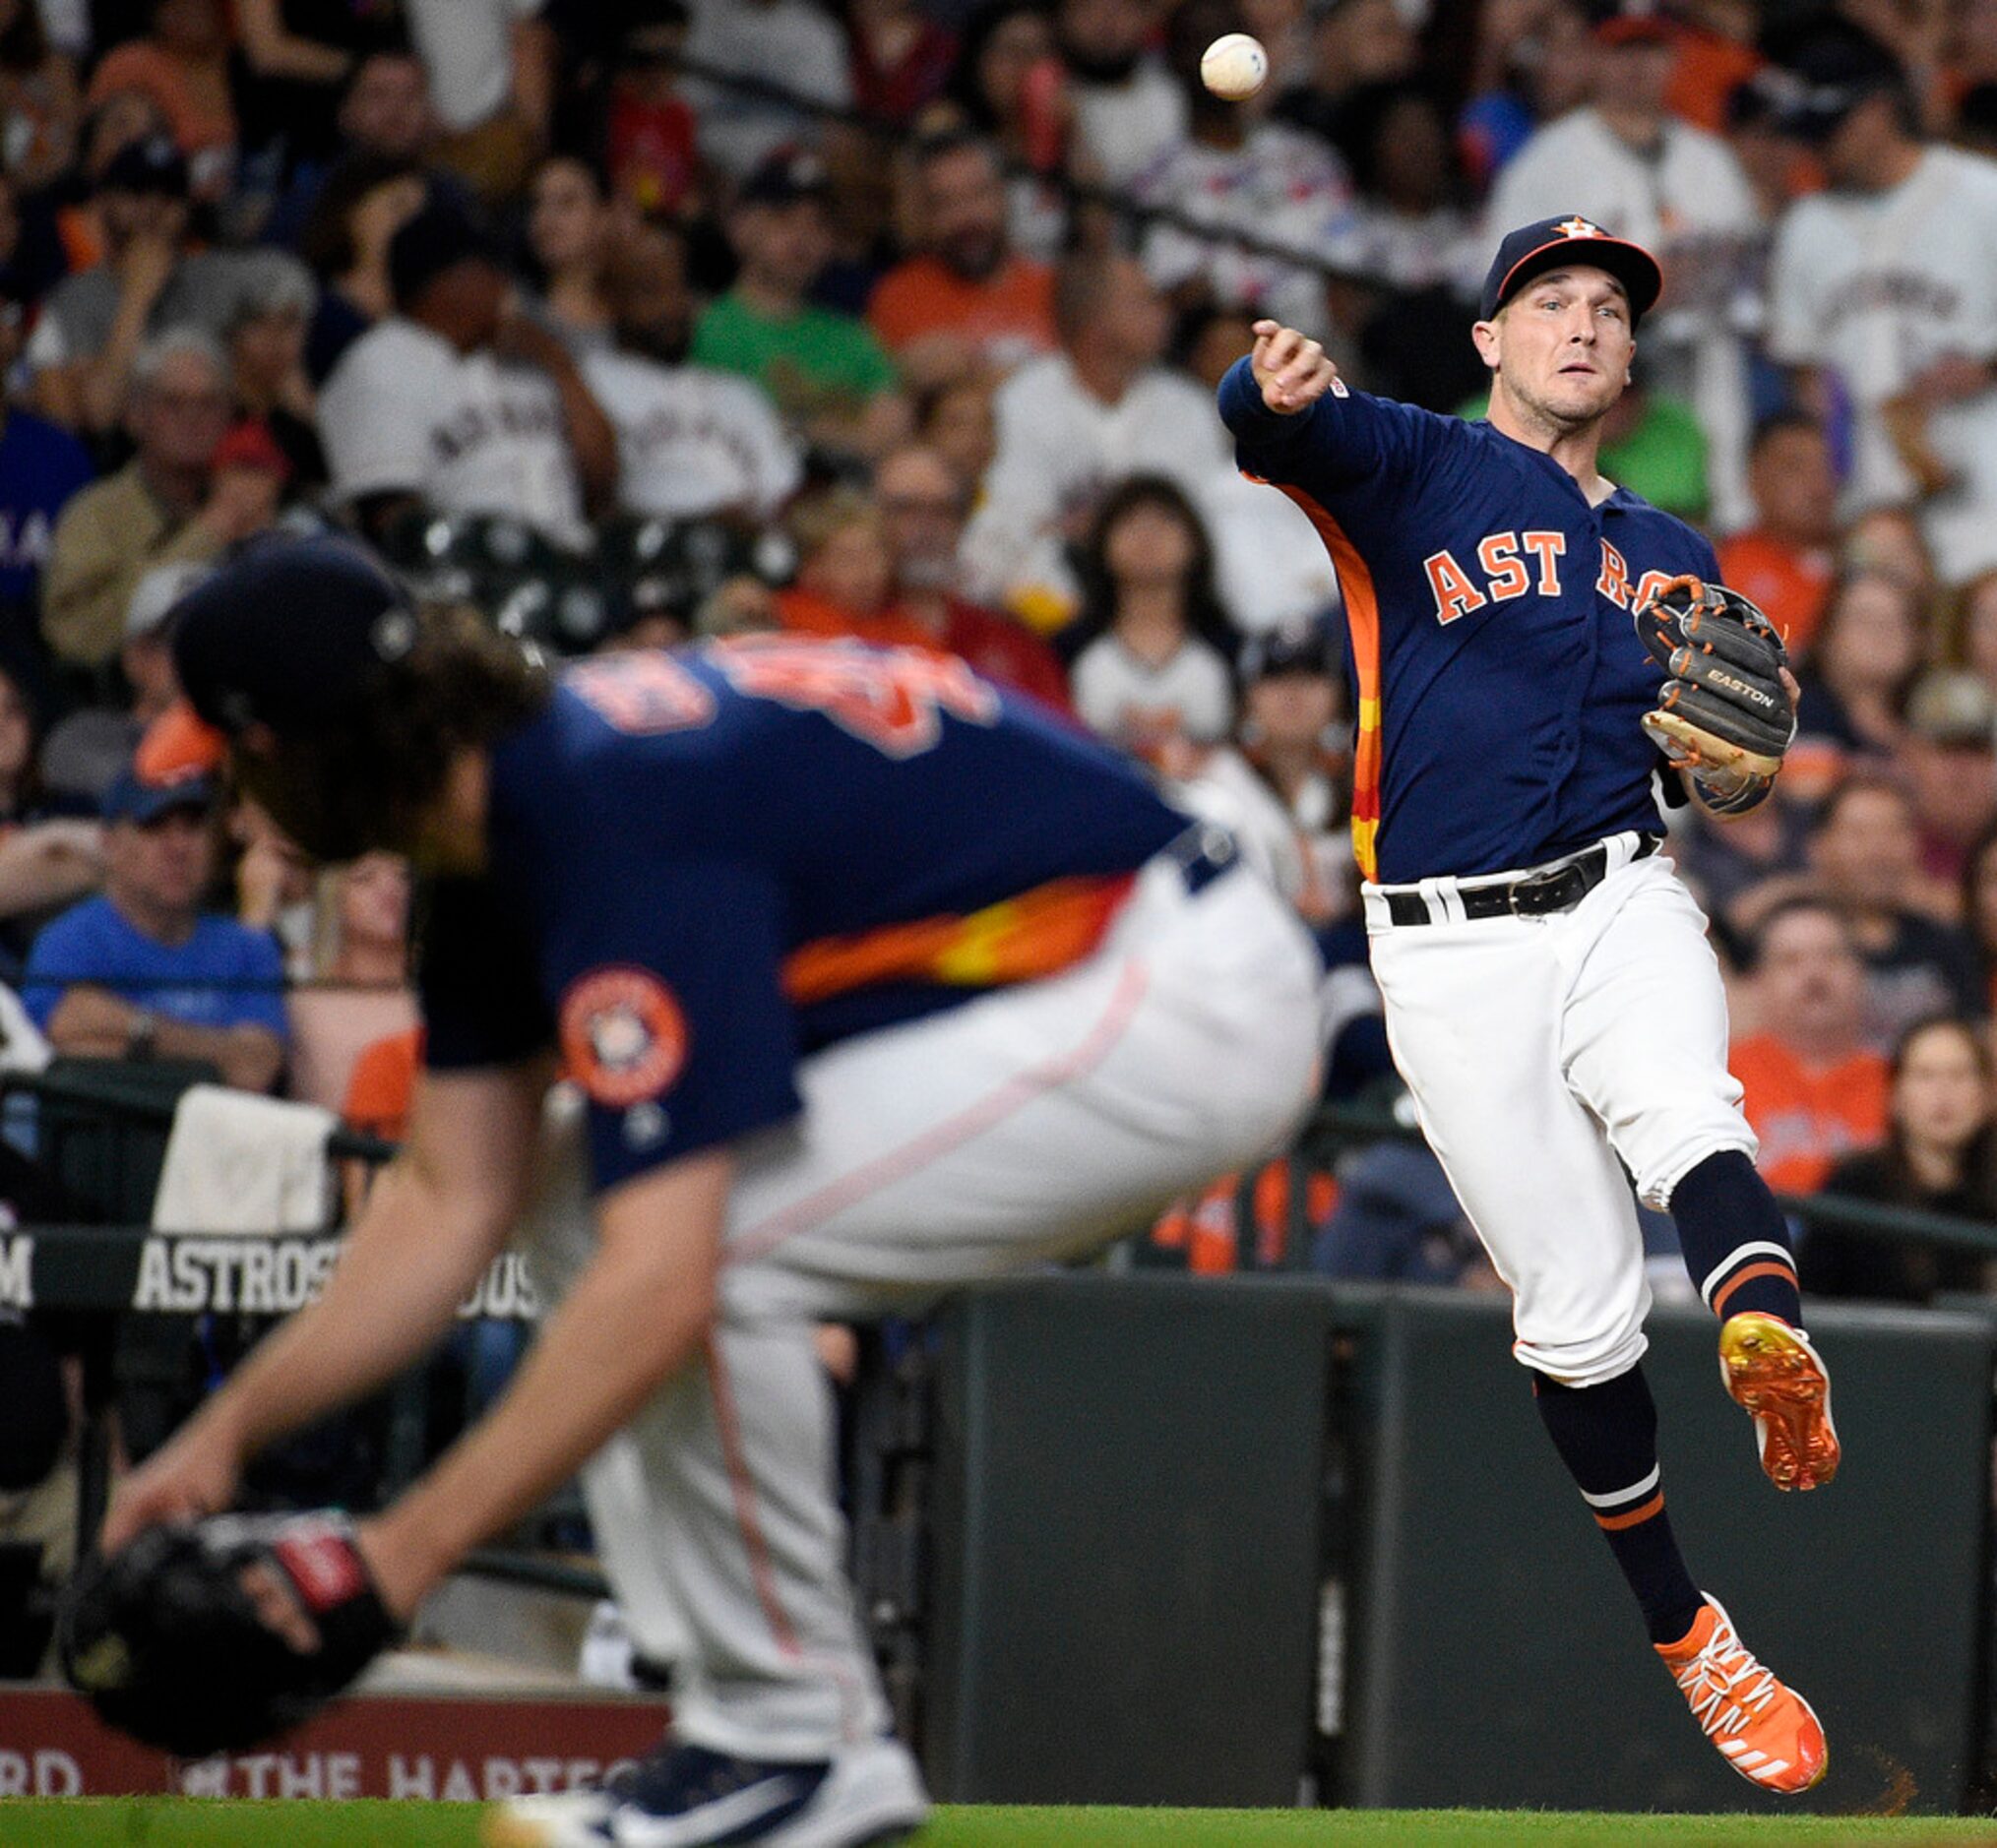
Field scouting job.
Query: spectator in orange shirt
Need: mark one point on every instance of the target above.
(846, 573)
(885, 571)
(1813, 1088)
(182, 67)
(379, 1093)
(1785, 561)
(967, 297)
(1714, 53)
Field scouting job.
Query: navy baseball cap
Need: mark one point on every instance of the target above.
(150, 165)
(1554, 244)
(1815, 86)
(1301, 648)
(786, 176)
(292, 634)
(132, 799)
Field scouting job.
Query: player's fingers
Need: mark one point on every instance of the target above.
(128, 1518)
(147, 1504)
(1274, 350)
(1303, 359)
(279, 1609)
(1303, 376)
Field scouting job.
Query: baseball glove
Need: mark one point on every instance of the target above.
(214, 1636)
(1724, 711)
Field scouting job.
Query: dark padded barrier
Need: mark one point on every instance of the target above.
(1498, 1659)
(1126, 1522)
(1141, 1486)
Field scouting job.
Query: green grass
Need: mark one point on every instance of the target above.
(183, 1822)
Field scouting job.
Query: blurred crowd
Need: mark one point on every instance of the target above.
(897, 319)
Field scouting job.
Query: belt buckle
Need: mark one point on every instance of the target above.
(1552, 891)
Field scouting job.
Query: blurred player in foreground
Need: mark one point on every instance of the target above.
(877, 982)
(1550, 997)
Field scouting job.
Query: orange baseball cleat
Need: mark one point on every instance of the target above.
(1767, 1732)
(1774, 1372)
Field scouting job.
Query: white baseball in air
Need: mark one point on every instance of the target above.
(1234, 66)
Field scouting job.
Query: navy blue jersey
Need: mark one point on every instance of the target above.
(41, 466)
(1499, 678)
(706, 863)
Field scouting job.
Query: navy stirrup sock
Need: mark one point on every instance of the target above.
(1608, 1437)
(1735, 1241)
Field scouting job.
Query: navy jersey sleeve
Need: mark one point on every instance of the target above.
(672, 1013)
(477, 980)
(1345, 439)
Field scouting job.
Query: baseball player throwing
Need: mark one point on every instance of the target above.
(876, 982)
(1550, 997)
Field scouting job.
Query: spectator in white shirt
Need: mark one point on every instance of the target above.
(1127, 106)
(691, 441)
(491, 66)
(1152, 646)
(1884, 299)
(1627, 163)
(1233, 171)
(1075, 423)
(1284, 783)
(459, 400)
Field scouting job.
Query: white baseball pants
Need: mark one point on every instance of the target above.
(1032, 1124)
(1545, 1055)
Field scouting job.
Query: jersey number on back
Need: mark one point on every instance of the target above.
(891, 699)
(642, 692)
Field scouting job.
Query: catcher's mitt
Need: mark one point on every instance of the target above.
(215, 1636)
(1724, 710)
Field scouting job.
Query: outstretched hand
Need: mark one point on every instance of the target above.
(1291, 368)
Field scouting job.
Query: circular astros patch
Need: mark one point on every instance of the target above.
(623, 1035)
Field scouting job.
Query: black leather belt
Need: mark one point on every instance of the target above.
(1200, 854)
(1538, 894)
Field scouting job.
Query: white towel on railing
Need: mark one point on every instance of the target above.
(22, 1046)
(237, 1162)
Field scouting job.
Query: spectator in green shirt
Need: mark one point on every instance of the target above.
(830, 378)
(1652, 444)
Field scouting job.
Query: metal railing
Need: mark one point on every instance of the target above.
(97, 1267)
(1342, 1126)
(1116, 201)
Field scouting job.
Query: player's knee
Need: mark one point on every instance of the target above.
(1585, 1363)
(1581, 1331)
(1683, 1146)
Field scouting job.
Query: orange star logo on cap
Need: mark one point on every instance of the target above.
(1577, 227)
